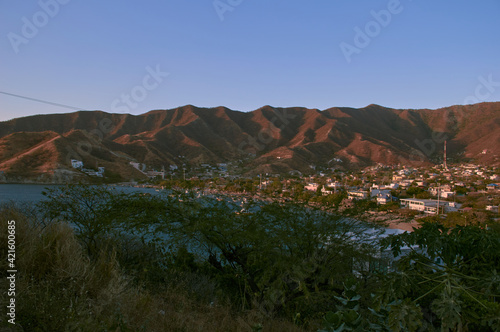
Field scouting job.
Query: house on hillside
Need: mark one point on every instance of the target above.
(492, 208)
(397, 178)
(334, 185)
(443, 192)
(421, 183)
(311, 186)
(384, 199)
(405, 183)
(383, 196)
(492, 187)
(78, 164)
(377, 192)
(357, 194)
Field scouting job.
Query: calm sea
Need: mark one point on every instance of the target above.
(33, 192)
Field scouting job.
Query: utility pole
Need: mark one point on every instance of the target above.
(438, 202)
(445, 166)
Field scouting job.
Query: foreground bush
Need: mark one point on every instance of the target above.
(59, 288)
(282, 260)
(133, 262)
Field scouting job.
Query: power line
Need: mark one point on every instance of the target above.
(42, 101)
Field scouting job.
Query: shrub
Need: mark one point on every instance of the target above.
(59, 287)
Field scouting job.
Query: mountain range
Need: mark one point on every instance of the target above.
(269, 139)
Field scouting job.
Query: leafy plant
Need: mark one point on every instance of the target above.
(449, 267)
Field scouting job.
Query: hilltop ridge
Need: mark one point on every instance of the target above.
(270, 139)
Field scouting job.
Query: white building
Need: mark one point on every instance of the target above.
(446, 194)
(384, 199)
(76, 164)
(311, 186)
(443, 192)
(421, 183)
(380, 192)
(405, 183)
(334, 185)
(383, 196)
(492, 208)
(429, 205)
(422, 205)
(357, 194)
(93, 173)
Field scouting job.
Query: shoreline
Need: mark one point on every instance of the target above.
(392, 221)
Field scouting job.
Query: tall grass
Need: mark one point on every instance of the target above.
(60, 288)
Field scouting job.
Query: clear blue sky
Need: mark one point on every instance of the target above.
(429, 54)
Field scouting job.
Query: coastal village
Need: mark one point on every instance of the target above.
(466, 193)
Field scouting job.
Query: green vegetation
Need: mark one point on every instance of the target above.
(139, 262)
(61, 288)
(391, 206)
(417, 192)
(455, 280)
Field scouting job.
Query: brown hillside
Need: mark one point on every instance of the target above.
(281, 138)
